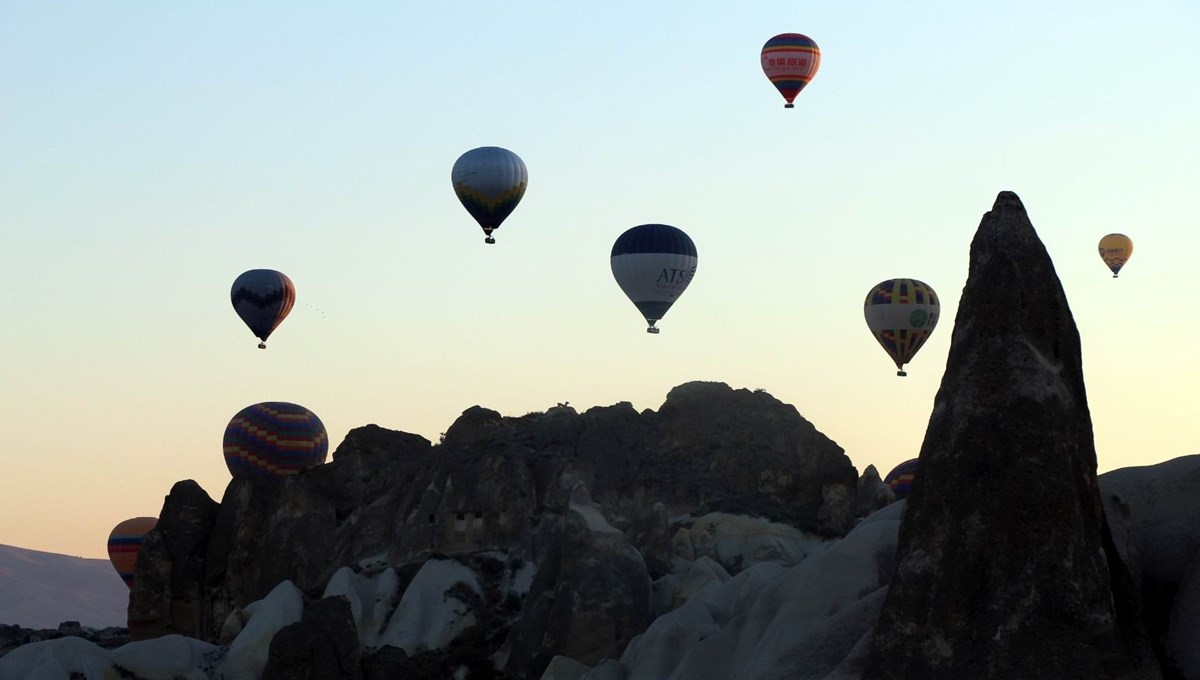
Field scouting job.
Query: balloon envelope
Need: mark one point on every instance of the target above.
(901, 314)
(900, 479)
(124, 543)
(653, 264)
(490, 182)
(273, 440)
(263, 298)
(1115, 250)
(790, 61)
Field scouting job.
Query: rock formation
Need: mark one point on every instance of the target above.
(584, 499)
(1005, 566)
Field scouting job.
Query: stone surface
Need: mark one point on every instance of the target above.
(590, 597)
(1004, 558)
(1183, 630)
(322, 646)
(168, 597)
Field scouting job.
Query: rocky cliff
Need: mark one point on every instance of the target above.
(585, 500)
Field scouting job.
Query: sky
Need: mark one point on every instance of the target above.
(151, 152)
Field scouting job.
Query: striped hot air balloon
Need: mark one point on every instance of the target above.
(490, 182)
(901, 314)
(653, 264)
(263, 298)
(273, 440)
(900, 479)
(790, 61)
(124, 543)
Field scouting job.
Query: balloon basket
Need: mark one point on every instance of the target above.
(901, 373)
(489, 240)
(789, 106)
(262, 345)
(653, 330)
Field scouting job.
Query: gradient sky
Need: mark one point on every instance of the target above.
(151, 152)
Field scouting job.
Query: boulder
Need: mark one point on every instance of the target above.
(322, 646)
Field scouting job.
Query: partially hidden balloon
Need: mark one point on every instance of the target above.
(653, 264)
(790, 61)
(1115, 249)
(900, 479)
(263, 298)
(274, 440)
(124, 543)
(490, 182)
(901, 314)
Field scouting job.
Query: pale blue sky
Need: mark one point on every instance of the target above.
(151, 152)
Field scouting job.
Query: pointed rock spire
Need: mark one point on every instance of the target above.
(1004, 566)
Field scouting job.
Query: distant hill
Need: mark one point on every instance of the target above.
(41, 589)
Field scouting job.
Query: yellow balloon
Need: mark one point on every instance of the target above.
(1115, 250)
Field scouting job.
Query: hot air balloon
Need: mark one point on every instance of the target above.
(653, 264)
(490, 182)
(124, 542)
(900, 479)
(263, 298)
(790, 61)
(1116, 250)
(901, 313)
(273, 440)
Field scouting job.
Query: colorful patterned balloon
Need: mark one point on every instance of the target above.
(790, 61)
(901, 478)
(1116, 249)
(490, 182)
(124, 543)
(653, 264)
(901, 313)
(273, 440)
(263, 298)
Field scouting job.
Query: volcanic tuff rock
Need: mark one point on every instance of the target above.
(586, 499)
(1005, 565)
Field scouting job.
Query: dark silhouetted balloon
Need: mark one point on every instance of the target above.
(263, 298)
(273, 440)
(790, 61)
(124, 543)
(653, 264)
(490, 182)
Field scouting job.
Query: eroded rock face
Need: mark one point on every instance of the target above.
(1004, 558)
(322, 646)
(170, 566)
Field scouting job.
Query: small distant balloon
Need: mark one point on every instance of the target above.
(124, 543)
(900, 479)
(1115, 250)
(901, 314)
(263, 298)
(274, 440)
(790, 61)
(490, 182)
(653, 264)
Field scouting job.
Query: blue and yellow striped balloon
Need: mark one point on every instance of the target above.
(124, 544)
(901, 314)
(273, 440)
